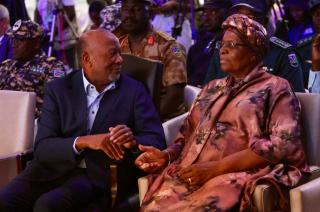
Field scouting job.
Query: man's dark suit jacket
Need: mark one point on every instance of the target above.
(5, 49)
(64, 117)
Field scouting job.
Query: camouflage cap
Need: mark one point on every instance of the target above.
(25, 30)
(111, 17)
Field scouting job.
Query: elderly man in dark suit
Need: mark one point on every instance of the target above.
(5, 44)
(90, 118)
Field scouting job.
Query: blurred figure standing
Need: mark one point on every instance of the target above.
(65, 40)
(165, 17)
(5, 45)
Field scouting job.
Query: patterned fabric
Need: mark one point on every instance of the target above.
(252, 32)
(25, 30)
(111, 17)
(260, 113)
(30, 76)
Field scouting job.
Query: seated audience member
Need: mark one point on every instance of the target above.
(143, 41)
(89, 120)
(200, 54)
(240, 129)
(111, 19)
(95, 8)
(314, 81)
(304, 47)
(30, 68)
(5, 44)
(280, 59)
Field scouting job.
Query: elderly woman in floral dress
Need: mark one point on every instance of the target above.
(240, 130)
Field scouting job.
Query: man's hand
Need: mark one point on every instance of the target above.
(152, 159)
(100, 142)
(316, 54)
(197, 174)
(123, 136)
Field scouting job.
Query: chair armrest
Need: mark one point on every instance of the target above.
(143, 185)
(306, 197)
(265, 197)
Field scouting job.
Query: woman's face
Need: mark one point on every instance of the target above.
(235, 57)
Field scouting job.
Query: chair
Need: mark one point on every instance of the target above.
(147, 71)
(190, 93)
(306, 196)
(16, 131)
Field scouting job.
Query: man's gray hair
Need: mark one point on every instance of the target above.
(4, 13)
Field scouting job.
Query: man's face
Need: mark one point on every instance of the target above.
(316, 18)
(105, 62)
(212, 19)
(134, 16)
(25, 49)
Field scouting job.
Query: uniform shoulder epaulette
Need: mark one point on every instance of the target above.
(49, 59)
(305, 41)
(280, 43)
(5, 61)
(165, 35)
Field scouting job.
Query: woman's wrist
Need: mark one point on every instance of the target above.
(167, 157)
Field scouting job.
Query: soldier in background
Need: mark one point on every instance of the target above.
(280, 60)
(30, 68)
(304, 47)
(143, 41)
(199, 55)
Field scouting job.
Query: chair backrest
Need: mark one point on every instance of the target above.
(172, 127)
(148, 71)
(310, 111)
(190, 93)
(16, 122)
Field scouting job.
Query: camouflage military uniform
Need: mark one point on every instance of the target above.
(280, 60)
(31, 75)
(160, 46)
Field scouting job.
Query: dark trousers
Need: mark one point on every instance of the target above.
(72, 193)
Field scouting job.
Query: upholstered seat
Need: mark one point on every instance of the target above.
(16, 130)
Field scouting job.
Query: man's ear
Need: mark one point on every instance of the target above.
(86, 60)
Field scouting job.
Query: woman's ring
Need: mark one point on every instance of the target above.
(189, 180)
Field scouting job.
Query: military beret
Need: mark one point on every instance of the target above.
(216, 4)
(258, 6)
(25, 30)
(313, 4)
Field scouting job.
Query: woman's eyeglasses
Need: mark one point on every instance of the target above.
(228, 44)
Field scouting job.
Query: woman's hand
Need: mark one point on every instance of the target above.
(152, 159)
(197, 174)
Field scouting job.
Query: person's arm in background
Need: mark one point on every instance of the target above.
(314, 77)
